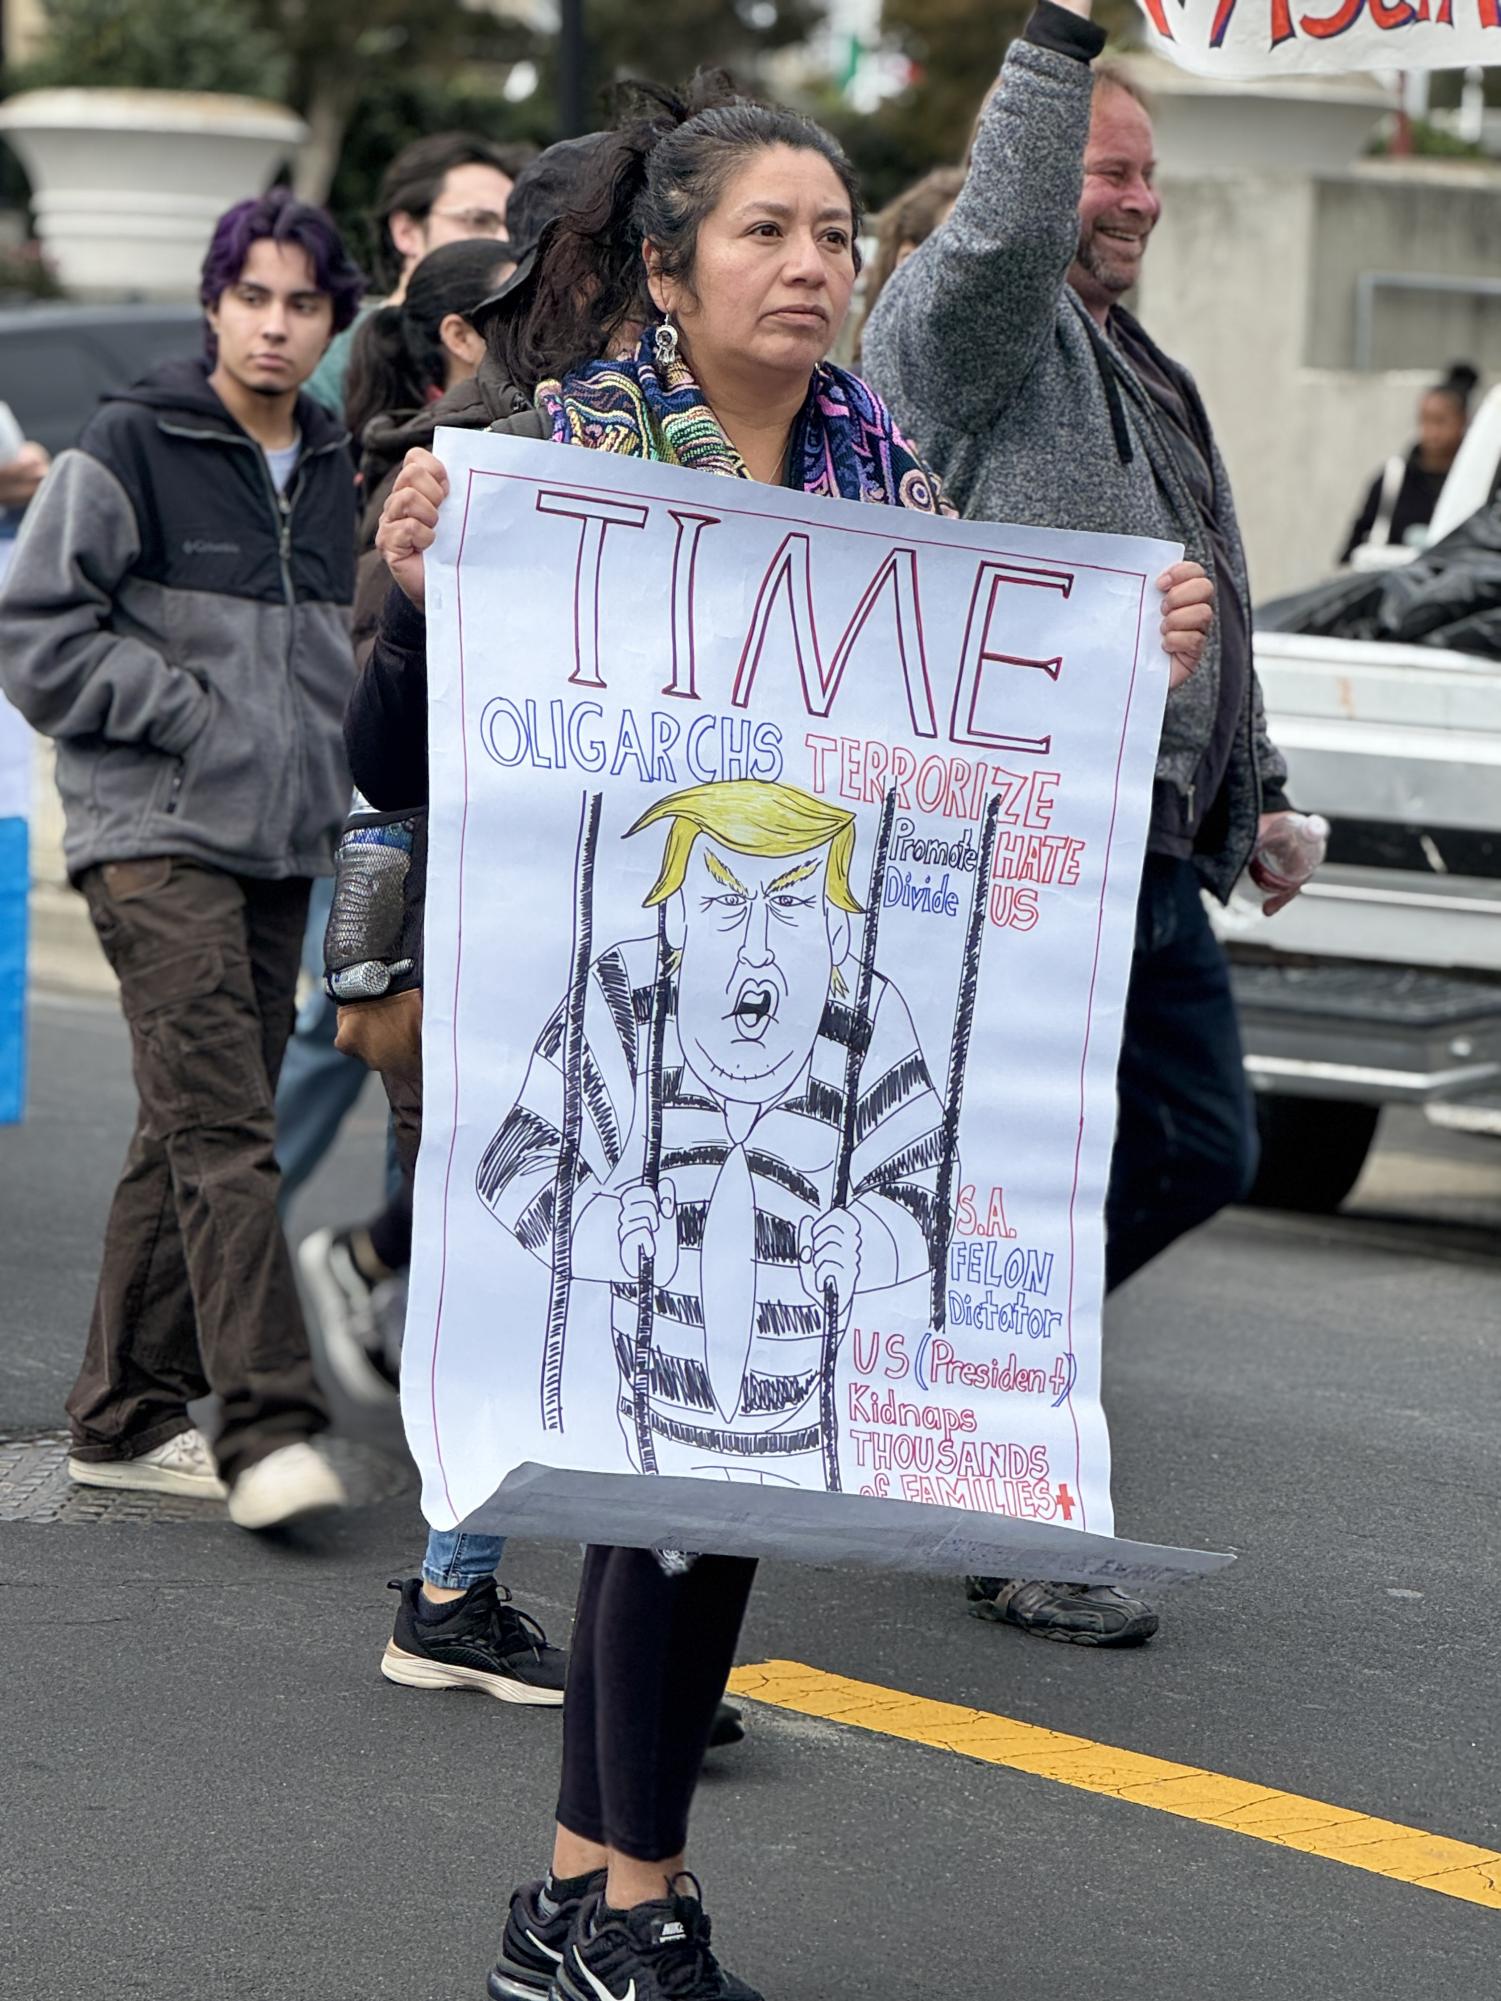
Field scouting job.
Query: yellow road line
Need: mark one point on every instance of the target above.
(1430, 1861)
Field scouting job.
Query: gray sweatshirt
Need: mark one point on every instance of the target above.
(996, 371)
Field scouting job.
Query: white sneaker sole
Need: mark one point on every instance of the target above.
(273, 1513)
(137, 1476)
(411, 1671)
(351, 1367)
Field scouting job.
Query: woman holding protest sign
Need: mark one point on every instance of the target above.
(747, 222)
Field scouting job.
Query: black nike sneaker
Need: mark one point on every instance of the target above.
(656, 1952)
(482, 1641)
(538, 1927)
(1088, 1615)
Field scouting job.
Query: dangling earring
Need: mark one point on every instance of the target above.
(665, 343)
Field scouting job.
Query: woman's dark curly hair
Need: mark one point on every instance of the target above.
(660, 173)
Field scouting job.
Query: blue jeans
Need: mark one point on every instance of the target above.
(319, 1084)
(456, 1559)
(1185, 1139)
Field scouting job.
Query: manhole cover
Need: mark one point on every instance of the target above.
(34, 1485)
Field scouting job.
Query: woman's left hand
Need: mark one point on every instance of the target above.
(1187, 614)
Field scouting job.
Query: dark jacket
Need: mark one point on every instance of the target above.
(1412, 505)
(183, 632)
(469, 406)
(385, 727)
(1028, 414)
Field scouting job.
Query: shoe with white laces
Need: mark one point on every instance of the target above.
(288, 1484)
(184, 1465)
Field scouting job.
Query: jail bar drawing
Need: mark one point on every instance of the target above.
(731, 1125)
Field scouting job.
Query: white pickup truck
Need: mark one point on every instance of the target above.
(1381, 983)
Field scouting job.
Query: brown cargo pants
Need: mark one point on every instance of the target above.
(196, 1290)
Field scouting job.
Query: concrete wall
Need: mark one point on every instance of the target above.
(1250, 282)
(1426, 218)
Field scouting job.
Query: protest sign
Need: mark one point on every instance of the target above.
(1252, 38)
(783, 859)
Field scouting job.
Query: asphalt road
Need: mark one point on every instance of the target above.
(207, 1790)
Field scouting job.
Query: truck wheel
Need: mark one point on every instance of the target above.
(1312, 1150)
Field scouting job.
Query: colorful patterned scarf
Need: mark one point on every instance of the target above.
(844, 444)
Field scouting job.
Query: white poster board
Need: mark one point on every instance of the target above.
(1253, 38)
(739, 799)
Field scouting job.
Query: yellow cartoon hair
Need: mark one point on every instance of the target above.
(753, 816)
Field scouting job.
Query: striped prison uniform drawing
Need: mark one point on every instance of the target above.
(791, 1153)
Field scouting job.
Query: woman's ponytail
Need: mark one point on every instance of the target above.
(378, 377)
(398, 359)
(589, 287)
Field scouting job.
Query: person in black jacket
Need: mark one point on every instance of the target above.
(1400, 500)
(177, 618)
(406, 358)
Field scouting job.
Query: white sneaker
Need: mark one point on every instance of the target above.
(287, 1484)
(184, 1465)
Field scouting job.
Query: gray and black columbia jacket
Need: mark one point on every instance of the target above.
(182, 630)
(1028, 414)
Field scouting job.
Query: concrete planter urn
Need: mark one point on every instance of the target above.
(127, 184)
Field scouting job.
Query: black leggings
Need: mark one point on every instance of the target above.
(650, 1658)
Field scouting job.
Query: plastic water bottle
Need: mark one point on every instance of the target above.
(1291, 853)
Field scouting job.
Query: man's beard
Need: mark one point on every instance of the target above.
(1096, 259)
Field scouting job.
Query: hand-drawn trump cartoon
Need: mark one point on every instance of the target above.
(734, 1128)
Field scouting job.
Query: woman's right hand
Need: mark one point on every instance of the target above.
(409, 520)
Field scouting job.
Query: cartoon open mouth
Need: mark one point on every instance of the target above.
(755, 1004)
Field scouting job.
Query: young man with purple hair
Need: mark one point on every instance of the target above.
(177, 618)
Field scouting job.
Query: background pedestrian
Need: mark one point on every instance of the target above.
(176, 617)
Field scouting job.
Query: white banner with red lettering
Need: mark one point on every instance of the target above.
(1268, 38)
(781, 896)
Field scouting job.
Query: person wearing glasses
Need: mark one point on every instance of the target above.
(442, 188)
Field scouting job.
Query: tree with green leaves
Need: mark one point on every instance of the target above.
(323, 57)
(216, 45)
(628, 38)
(955, 48)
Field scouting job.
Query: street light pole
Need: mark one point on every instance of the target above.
(573, 66)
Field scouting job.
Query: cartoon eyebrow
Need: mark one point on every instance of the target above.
(794, 875)
(721, 874)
